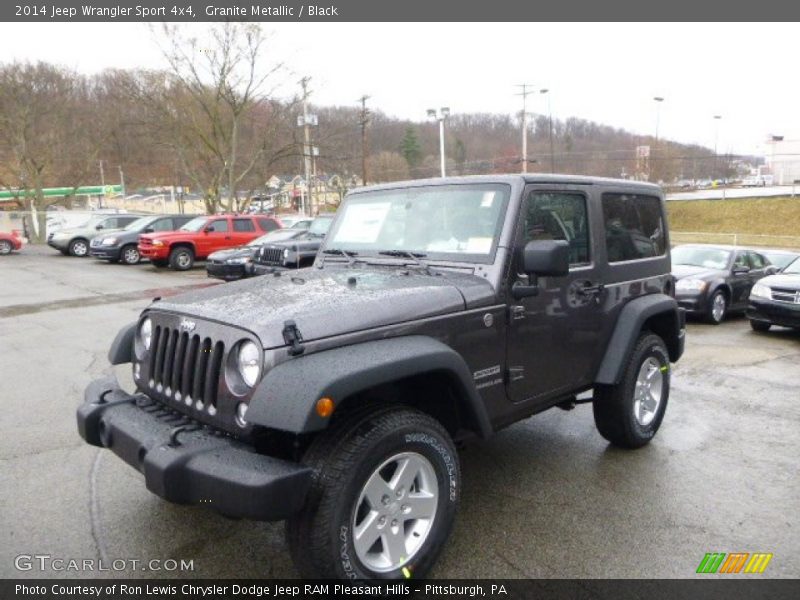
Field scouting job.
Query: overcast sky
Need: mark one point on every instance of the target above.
(604, 72)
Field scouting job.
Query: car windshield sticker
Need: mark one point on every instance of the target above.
(362, 223)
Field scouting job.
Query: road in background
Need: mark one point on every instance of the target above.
(736, 192)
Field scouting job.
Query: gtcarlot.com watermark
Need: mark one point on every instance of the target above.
(48, 563)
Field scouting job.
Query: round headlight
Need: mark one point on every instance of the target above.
(285, 253)
(146, 333)
(249, 363)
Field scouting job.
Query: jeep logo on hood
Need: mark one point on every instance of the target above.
(187, 325)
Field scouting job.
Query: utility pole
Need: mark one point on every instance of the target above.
(653, 158)
(524, 93)
(550, 127)
(364, 121)
(121, 181)
(102, 183)
(440, 115)
(306, 146)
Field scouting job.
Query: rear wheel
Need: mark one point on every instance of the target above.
(629, 413)
(717, 308)
(383, 498)
(760, 325)
(5, 247)
(181, 258)
(129, 255)
(79, 248)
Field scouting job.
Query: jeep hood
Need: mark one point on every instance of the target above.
(325, 303)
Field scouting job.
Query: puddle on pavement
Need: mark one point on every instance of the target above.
(17, 310)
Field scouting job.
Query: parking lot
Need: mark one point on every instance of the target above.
(547, 497)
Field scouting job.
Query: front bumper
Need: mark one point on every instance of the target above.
(105, 252)
(258, 269)
(186, 463)
(154, 252)
(777, 313)
(58, 243)
(692, 303)
(226, 271)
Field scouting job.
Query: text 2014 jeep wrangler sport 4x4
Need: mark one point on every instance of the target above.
(436, 311)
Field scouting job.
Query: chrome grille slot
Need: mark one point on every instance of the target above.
(271, 255)
(212, 374)
(188, 366)
(177, 364)
(200, 366)
(784, 295)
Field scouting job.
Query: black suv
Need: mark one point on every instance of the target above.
(121, 244)
(436, 311)
(298, 252)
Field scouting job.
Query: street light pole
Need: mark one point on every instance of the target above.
(440, 116)
(717, 119)
(658, 100)
(550, 127)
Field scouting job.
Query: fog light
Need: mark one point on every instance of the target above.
(241, 412)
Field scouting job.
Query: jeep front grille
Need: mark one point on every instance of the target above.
(270, 256)
(785, 295)
(186, 367)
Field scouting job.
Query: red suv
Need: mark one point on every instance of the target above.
(201, 236)
(10, 241)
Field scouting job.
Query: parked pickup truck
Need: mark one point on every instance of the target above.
(201, 236)
(435, 312)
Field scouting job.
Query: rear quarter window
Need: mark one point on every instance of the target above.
(634, 227)
(267, 224)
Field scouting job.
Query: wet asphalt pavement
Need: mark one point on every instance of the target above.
(547, 497)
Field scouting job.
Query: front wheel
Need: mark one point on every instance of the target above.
(383, 498)
(717, 308)
(79, 248)
(5, 247)
(130, 255)
(629, 413)
(181, 258)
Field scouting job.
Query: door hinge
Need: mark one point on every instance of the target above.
(516, 373)
(516, 312)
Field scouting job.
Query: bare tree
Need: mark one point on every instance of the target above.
(216, 109)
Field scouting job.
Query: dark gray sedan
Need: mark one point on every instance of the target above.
(711, 281)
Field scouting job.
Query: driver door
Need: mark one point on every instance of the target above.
(552, 337)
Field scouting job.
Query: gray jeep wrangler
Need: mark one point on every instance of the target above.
(436, 311)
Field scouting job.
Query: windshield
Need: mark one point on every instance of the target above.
(195, 224)
(779, 259)
(453, 222)
(139, 223)
(710, 258)
(320, 226)
(793, 269)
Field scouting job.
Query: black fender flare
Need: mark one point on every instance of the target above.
(121, 350)
(286, 397)
(626, 331)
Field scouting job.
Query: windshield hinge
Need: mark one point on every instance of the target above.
(293, 338)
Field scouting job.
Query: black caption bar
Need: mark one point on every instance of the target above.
(398, 10)
(732, 588)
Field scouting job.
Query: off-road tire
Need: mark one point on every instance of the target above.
(761, 326)
(614, 405)
(710, 317)
(5, 247)
(181, 258)
(126, 254)
(343, 459)
(79, 248)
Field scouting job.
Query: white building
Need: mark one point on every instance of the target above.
(783, 159)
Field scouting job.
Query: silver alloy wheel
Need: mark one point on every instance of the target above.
(395, 512)
(5, 247)
(79, 248)
(649, 391)
(183, 260)
(130, 256)
(718, 307)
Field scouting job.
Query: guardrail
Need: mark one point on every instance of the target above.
(736, 239)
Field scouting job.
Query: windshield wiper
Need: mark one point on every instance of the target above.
(350, 256)
(414, 256)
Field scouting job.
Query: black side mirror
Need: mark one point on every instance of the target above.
(99, 226)
(541, 258)
(772, 269)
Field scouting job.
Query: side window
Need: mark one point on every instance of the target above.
(218, 226)
(267, 224)
(634, 227)
(162, 225)
(123, 221)
(558, 216)
(741, 260)
(243, 225)
(180, 221)
(756, 261)
(112, 223)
